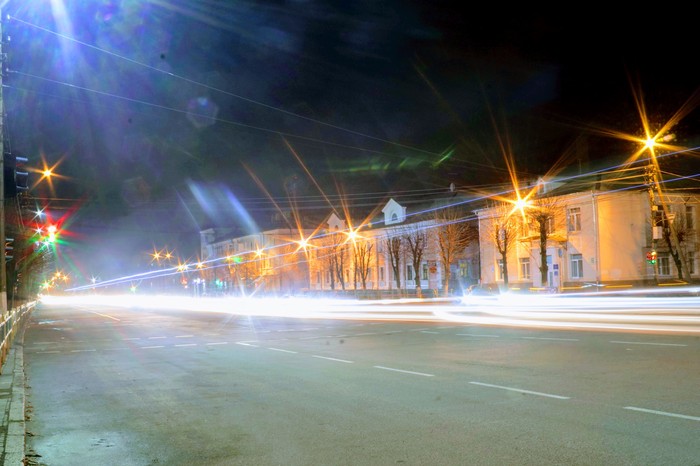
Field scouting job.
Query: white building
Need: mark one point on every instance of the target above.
(594, 238)
(341, 256)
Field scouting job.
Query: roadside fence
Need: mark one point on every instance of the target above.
(11, 323)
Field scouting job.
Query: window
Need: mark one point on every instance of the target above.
(576, 268)
(318, 277)
(409, 272)
(575, 219)
(525, 228)
(689, 217)
(381, 273)
(664, 264)
(424, 273)
(550, 224)
(524, 268)
(463, 268)
(500, 269)
(691, 262)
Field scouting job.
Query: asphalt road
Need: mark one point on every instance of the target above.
(120, 386)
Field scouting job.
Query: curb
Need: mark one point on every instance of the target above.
(12, 391)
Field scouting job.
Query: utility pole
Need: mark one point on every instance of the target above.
(667, 217)
(3, 267)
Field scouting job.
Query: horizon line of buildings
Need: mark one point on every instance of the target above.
(566, 236)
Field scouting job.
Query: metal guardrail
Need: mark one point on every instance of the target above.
(9, 327)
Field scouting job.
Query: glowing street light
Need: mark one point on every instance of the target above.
(53, 231)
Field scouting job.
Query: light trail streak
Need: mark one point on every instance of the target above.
(679, 315)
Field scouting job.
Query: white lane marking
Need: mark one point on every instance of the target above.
(393, 331)
(184, 336)
(308, 338)
(129, 339)
(217, 343)
(116, 349)
(427, 331)
(477, 335)
(281, 350)
(552, 339)
(405, 372)
(156, 338)
(332, 359)
(187, 344)
(363, 334)
(105, 315)
(246, 344)
(646, 343)
(151, 347)
(81, 350)
(663, 413)
(47, 352)
(519, 390)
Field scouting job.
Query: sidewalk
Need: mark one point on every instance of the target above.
(12, 399)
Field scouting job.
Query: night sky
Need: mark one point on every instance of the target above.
(164, 117)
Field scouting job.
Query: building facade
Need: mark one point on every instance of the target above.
(593, 240)
(395, 254)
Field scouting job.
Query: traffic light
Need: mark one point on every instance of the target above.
(16, 179)
(9, 248)
(651, 257)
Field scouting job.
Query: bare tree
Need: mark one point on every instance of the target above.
(504, 231)
(339, 253)
(328, 253)
(542, 211)
(416, 242)
(362, 260)
(677, 225)
(454, 234)
(395, 246)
